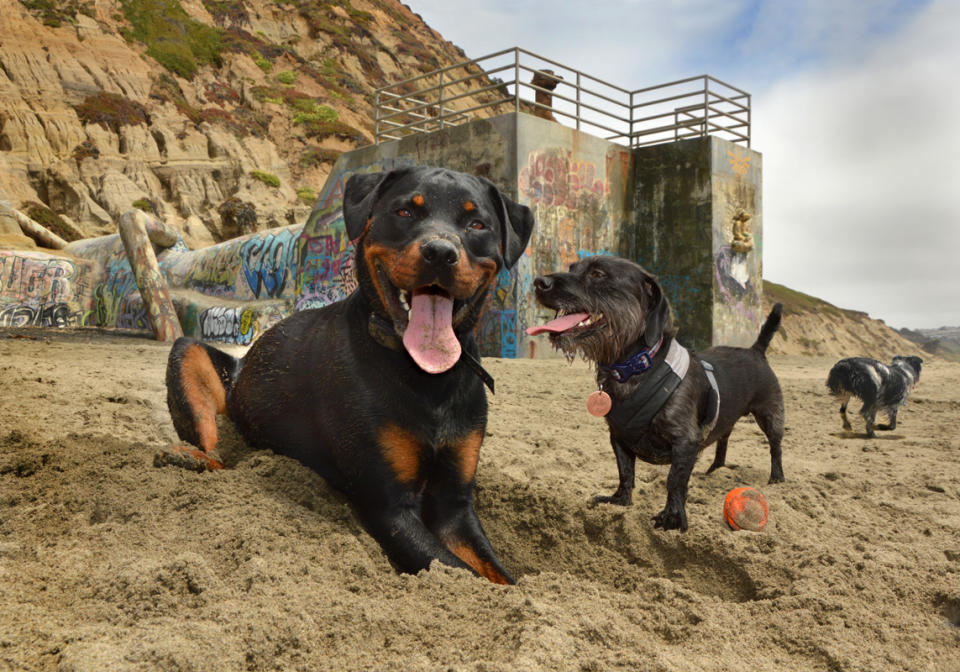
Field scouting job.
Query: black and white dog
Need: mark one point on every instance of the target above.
(877, 385)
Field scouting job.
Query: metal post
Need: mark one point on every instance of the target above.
(440, 98)
(578, 100)
(516, 80)
(749, 107)
(706, 104)
(376, 117)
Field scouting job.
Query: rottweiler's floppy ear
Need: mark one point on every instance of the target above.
(516, 224)
(658, 312)
(359, 196)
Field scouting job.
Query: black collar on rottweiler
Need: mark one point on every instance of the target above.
(638, 363)
(383, 333)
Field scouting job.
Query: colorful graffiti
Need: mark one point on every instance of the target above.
(324, 252)
(268, 261)
(570, 200)
(116, 298)
(555, 178)
(256, 266)
(38, 289)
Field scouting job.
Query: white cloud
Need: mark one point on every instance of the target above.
(860, 168)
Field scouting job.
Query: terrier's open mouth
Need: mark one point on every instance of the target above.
(568, 322)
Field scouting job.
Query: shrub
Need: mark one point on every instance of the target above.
(326, 129)
(225, 12)
(267, 178)
(220, 93)
(287, 77)
(237, 217)
(146, 205)
(55, 13)
(51, 221)
(314, 156)
(173, 39)
(262, 62)
(111, 111)
(306, 194)
(85, 150)
(315, 113)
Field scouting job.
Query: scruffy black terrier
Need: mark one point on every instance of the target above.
(877, 385)
(664, 404)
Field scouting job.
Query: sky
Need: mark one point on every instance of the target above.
(855, 109)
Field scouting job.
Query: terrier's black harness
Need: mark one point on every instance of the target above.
(663, 373)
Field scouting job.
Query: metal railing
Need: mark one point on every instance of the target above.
(504, 82)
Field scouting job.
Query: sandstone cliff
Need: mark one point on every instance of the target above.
(814, 327)
(197, 109)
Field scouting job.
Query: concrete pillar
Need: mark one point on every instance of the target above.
(134, 226)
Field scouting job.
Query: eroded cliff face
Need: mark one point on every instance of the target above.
(233, 103)
(812, 326)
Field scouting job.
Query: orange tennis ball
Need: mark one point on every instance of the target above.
(745, 509)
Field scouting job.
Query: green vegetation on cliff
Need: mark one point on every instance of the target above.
(173, 39)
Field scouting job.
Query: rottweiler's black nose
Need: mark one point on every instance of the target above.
(544, 283)
(440, 252)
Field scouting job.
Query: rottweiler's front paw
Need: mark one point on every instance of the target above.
(619, 497)
(671, 520)
(186, 457)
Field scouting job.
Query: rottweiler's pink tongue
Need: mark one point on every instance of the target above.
(429, 337)
(559, 324)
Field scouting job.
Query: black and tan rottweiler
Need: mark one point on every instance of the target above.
(381, 393)
(666, 404)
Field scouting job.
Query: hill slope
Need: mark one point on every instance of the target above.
(944, 341)
(174, 104)
(812, 326)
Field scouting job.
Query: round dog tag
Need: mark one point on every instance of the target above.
(599, 403)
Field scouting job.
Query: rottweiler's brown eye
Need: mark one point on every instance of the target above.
(403, 212)
(476, 225)
(597, 274)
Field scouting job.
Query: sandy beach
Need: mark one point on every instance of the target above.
(110, 563)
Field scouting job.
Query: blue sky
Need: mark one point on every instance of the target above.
(856, 110)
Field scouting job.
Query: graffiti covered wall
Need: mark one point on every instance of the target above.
(696, 203)
(690, 211)
(45, 290)
(230, 292)
(576, 186)
(737, 244)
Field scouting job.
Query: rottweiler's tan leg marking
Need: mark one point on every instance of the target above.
(467, 451)
(485, 569)
(401, 449)
(205, 397)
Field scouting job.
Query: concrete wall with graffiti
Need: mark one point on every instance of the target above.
(230, 292)
(46, 290)
(689, 211)
(737, 243)
(697, 221)
(577, 186)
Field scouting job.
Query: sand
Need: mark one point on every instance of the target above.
(110, 563)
